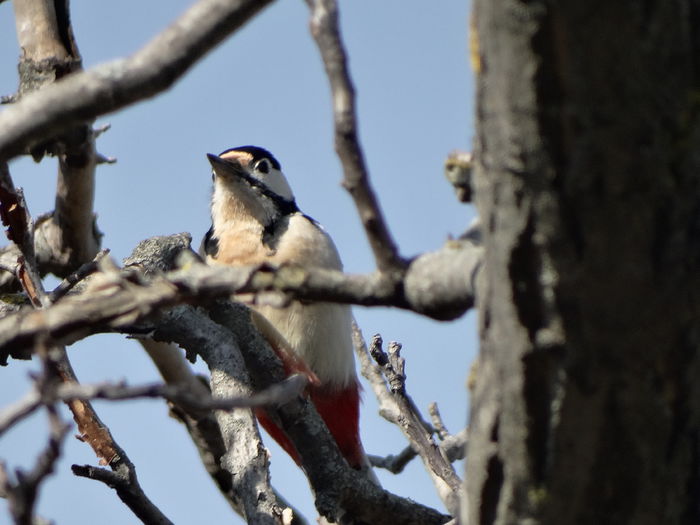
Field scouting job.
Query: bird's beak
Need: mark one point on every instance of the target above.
(224, 166)
(214, 159)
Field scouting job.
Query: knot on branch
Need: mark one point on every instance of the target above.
(159, 254)
(458, 171)
(34, 74)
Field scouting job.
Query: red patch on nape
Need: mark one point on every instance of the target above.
(340, 410)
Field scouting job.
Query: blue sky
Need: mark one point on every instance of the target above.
(263, 86)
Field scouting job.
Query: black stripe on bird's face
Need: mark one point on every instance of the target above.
(234, 169)
(234, 174)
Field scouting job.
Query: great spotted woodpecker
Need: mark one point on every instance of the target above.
(255, 219)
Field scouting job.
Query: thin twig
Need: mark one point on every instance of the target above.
(20, 409)
(453, 446)
(74, 278)
(394, 463)
(22, 493)
(122, 479)
(274, 395)
(326, 32)
(438, 423)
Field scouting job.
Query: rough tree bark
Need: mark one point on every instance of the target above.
(67, 237)
(586, 402)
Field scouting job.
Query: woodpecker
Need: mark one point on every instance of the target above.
(255, 219)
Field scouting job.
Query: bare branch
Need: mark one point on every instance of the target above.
(20, 409)
(123, 480)
(20, 230)
(437, 421)
(206, 436)
(22, 493)
(274, 395)
(83, 96)
(67, 237)
(74, 278)
(388, 382)
(112, 300)
(245, 458)
(371, 372)
(126, 299)
(394, 463)
(96, 434)
(453, 446)
(326, 32)
(57, 367)
(340, 490)
(103, 159)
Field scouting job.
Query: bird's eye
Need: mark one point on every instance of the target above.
(263, 166)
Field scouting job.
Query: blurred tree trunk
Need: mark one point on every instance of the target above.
(586, 405)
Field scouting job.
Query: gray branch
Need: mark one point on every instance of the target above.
(387, 378)
(67, 237)
(122, 478)
(326, 32)
(57, 366)
(114, 85)
(153, 257)
(340, 490)
(440, 284)
(454, 447)
(129, 302)
(245, 458)
(65, 392)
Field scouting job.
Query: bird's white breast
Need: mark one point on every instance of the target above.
(319, 332)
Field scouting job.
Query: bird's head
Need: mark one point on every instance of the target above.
(248, 181)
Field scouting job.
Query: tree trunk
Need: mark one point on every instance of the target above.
(586, 405)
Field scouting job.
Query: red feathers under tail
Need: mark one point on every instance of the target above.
(340, 410)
